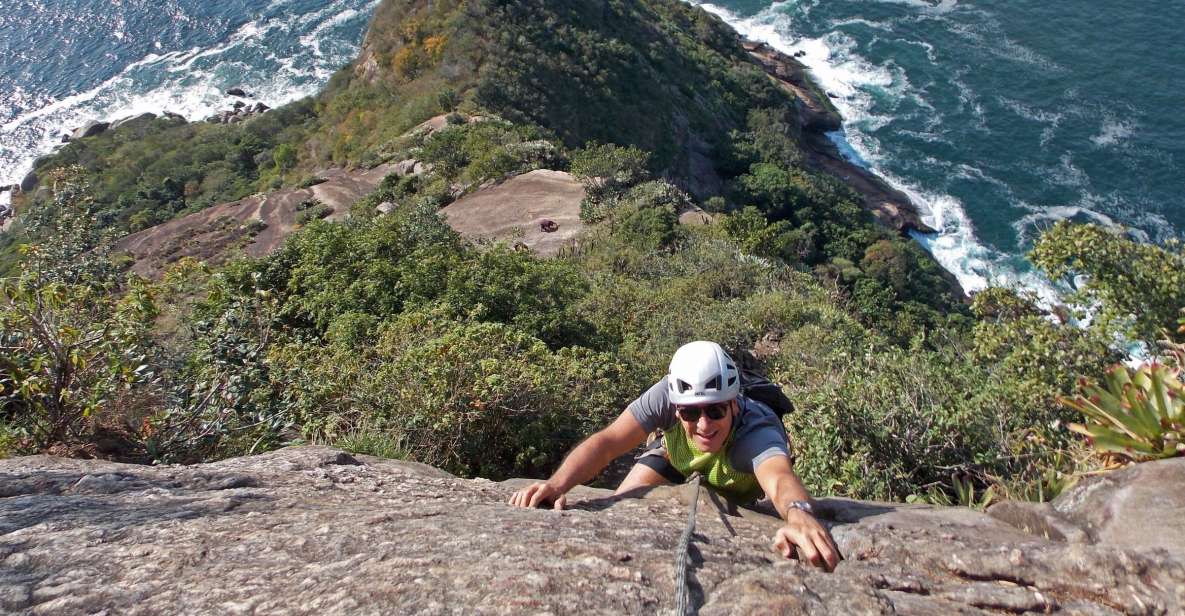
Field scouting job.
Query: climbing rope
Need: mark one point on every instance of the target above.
(683, 594)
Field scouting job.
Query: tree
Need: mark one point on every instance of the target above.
(284, 156)
(1137, 288)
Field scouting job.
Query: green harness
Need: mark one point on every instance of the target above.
(714, 467)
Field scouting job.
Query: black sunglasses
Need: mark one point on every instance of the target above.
(715, 412)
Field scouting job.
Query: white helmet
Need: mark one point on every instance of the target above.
(702, 373)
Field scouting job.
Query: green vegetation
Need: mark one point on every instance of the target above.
(392, 335)
(1139, 414)
(1140, 287)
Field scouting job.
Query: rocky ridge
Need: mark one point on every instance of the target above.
(311, 530)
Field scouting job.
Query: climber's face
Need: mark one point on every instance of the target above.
(708, 425)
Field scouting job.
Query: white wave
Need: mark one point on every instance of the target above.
(836, 67)
(860, 21)
(1140, 219)
(313, 39)
(1011, 50)
(929, 6)
(1067, 173)
(1041, 217)
(1051, 119)
(989, 34)
(1114, 131)
(968, 172)
(188, 82)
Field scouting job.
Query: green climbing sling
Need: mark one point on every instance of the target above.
(715, 467)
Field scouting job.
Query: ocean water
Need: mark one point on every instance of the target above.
(64, 62)
(996, 118)
(1000, 118)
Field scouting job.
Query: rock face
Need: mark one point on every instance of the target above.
(515, 210)
(90, 129)
(312, 530)
(1140, 507)
(143, 118)
(29, 182)
(256, 225)
(818, 116)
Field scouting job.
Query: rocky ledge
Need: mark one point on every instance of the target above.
(311, 530)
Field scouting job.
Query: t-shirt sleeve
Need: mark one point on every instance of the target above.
(653, 408)
(759, 438)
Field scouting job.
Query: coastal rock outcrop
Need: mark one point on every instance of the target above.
(817, 117)
(142, 118)
(514, 211)
(29, 182)
(309, 530)
(90, 129)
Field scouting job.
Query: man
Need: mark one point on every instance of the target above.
(738, 445)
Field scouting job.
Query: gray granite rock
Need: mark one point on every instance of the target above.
(29, 182)
(136, 119)
(311, 530)
(1139, 507)
(90, 129)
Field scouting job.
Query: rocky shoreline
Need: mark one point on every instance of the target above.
(818, 116)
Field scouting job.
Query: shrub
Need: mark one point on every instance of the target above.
(489, 400)
(607, 171)
(69, 349)
(474, 398)
(1138, 288)
(1138, 415)
(284, 156)
(310, 210)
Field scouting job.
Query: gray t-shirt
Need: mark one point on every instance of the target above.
(758, 434)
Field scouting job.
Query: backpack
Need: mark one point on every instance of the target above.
(757, 387)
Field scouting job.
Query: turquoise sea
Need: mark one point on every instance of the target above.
(997, 118)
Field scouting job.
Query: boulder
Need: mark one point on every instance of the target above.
(695, 217)
(1139, 507)
(239, 92)
(385, 207)
(29, 182)
(175, 117)
(312, 530)
(259, 108)
(65, 138)
(406, 167)
(90, 129)
(239, 105)
(143, 117)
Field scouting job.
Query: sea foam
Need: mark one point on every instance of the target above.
(835, 65)
(278, 58)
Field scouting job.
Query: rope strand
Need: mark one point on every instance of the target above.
(683, 594)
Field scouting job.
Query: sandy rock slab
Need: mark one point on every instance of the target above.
(539, 209)
(255, 226)
(311, 530)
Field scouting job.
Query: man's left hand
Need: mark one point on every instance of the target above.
(803, 535)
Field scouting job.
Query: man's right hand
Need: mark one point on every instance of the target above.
(539, 493)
